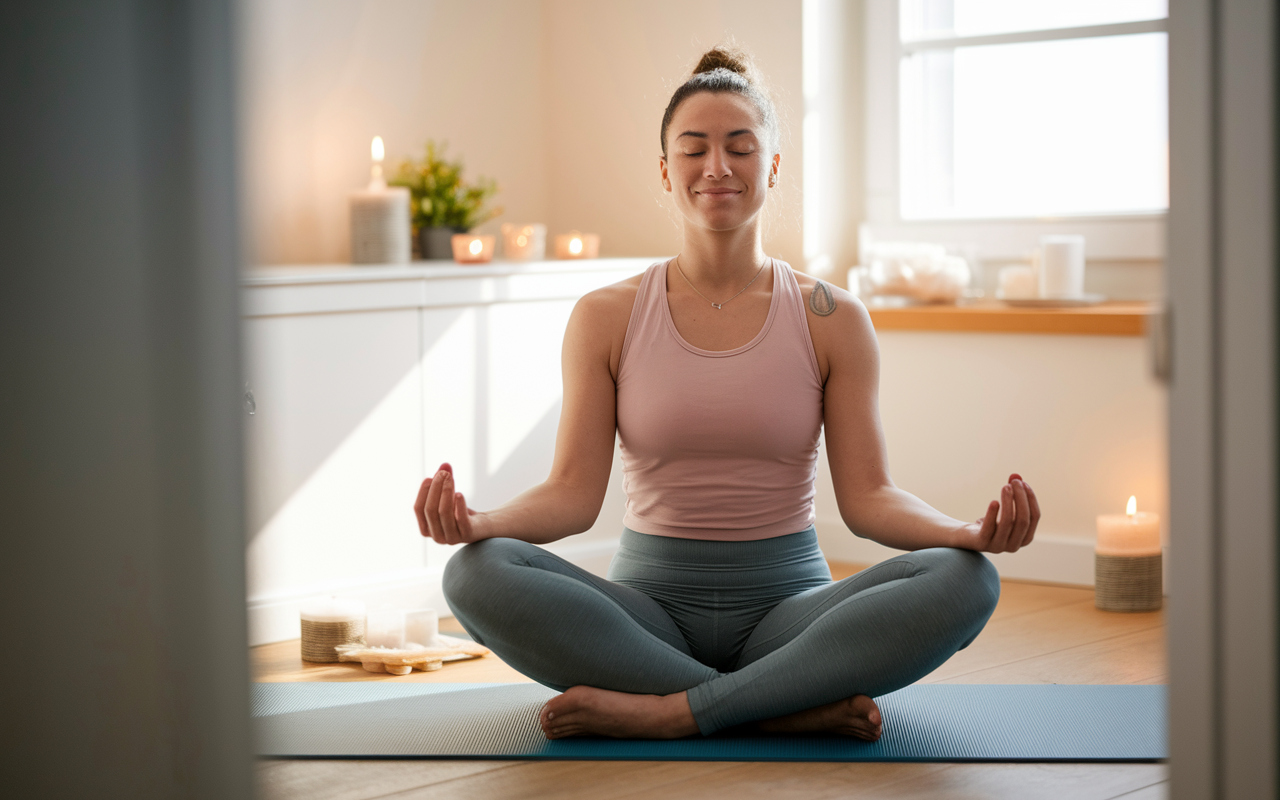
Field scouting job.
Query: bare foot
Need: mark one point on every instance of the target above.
(853, 716)
(586, 711)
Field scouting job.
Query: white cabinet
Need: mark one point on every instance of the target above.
(365, 380)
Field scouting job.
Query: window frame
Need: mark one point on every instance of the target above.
(1111, 237)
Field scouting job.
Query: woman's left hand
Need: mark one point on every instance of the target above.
(1010, 522)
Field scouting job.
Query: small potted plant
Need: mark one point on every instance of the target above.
(442, 202)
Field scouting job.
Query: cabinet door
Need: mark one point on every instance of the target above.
(492, 396)
(335, 451)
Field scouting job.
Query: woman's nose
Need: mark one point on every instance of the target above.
(717, 166)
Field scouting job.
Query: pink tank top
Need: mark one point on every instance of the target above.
(719, 445)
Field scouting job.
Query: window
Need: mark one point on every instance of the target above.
(1014, 114)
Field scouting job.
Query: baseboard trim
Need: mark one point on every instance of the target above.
(1051, 558)
(274, 617)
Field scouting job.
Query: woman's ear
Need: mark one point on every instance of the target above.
(662, 170)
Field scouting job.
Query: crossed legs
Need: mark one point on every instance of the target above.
(627, 671)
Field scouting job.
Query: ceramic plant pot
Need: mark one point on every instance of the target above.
(437, 243)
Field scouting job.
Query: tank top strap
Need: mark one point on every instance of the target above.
(794, 314)
(646, 312)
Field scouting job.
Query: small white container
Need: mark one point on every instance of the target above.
(1061, 266)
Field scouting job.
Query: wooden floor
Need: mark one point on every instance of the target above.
(1039, 634)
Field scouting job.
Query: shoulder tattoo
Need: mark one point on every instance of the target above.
(821, 301)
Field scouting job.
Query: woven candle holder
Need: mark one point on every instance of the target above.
(1128, 583)
(320, 640)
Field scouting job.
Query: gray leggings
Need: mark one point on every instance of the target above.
(752, 630)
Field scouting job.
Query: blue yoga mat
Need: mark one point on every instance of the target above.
(933, 722)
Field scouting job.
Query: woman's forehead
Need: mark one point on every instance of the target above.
(715, 113)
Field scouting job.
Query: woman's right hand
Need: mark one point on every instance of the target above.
(442, 512)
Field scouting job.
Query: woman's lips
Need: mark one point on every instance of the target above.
(718, 192)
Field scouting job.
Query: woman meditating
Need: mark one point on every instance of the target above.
(718, 370)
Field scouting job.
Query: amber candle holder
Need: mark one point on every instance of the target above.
(524, 242)
(469, 248)
(577, 245)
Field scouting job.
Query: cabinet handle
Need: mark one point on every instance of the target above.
(250, 404)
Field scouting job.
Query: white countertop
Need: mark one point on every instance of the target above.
(301, 274)
(341, 288)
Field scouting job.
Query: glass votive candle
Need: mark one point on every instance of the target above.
(385, 629)
(470, 248)
(577, 245)
(524, 242)
(422, 626)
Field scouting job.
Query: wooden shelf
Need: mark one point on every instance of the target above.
(1106, 319)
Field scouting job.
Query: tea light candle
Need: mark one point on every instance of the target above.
(327, 623)
(422, 626)
(385, 629)
(471, 249)
(524, 242)
(577, 245)
(380, 224)
(1128, 561)
(1019, 283)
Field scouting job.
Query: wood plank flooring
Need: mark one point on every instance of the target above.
(1038, 634)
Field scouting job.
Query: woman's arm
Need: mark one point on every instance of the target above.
(569, 500)
(870, 504)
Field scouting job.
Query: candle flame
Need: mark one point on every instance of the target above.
(522, 240)
(379, 152)
(1132, 508)
(575, 245)
(475, 247)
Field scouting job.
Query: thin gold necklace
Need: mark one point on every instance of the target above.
(714, 304)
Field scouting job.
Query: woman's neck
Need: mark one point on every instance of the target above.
(721, 258)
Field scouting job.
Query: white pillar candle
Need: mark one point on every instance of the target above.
(422, 627)
(332, 609)
(1061, 266)
(385, 629)
(380, 224)
(328, 623)
(1019, 283)
(1133, 533)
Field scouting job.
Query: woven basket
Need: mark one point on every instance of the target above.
(1128, 583)
(319, 639)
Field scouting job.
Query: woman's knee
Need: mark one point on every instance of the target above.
(475, 565)
(971, 578)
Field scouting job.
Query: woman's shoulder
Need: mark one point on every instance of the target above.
(839, 324)
(610, 305)
(600, 319)
(828, 304)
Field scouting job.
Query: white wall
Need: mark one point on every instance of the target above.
(321, 78)
(560, 101)
(611, 68)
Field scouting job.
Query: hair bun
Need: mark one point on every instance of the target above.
(727, 57)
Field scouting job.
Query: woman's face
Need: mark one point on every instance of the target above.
(717, 166)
